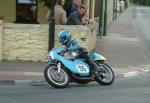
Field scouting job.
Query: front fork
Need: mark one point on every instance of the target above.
(59, 67)
(98, 68)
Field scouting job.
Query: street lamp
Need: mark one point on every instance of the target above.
(52, 26)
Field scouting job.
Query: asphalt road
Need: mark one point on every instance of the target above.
(142, 19)
(124, 90)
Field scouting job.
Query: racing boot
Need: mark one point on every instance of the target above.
(94, 67)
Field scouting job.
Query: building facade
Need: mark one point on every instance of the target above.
(33, 11)
(29, 41)
(23, 11)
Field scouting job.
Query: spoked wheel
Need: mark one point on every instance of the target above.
(106, 75)
(55, 79)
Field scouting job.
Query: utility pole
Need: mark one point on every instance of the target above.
(100, 17)
(51, 26)
(105, 19)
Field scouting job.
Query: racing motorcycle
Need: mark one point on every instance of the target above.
(66, 67)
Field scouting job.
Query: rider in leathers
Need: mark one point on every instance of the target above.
(72, 45)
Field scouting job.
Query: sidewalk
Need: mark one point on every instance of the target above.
(121, 47)
(12, 73)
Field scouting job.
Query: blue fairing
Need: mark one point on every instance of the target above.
(96, 56)
(75, 66)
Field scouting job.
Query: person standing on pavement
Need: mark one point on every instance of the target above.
(60, 13)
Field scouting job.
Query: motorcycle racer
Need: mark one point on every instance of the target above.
(71, 45)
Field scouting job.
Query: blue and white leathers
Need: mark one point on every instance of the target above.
(76, 66)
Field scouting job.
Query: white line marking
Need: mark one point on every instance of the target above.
(130, 74)
(145, 70)
(21, 73)
(33, 73)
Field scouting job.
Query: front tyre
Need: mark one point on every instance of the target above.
(55, 79)
(106, 74)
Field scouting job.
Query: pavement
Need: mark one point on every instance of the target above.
(121, 47)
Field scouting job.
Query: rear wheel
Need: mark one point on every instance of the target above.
(55, 79)
(106, 74)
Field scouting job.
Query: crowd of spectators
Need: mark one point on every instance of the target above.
(76, 15)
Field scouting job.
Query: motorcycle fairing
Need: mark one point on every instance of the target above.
(96, 56)
(76, 66)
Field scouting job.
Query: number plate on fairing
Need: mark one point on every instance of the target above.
(82, 68)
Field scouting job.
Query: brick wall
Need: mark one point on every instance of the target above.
(30, 42)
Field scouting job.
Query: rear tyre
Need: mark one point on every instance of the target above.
(106, 74)
(55, 79)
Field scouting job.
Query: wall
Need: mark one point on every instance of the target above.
(24, 42)
(118, 7)
(110, 11)
(97, 8)
(90, 10)
(30, 42)
(1, 33)
(87, 2)
(8, 10)
(42, 11)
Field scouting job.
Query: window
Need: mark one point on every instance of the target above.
(26, 11)
(27, 1)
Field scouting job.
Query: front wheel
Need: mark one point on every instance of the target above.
(106, 74)
(55, 79)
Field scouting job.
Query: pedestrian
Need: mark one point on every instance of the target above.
(76, 17)
(75, 6)
(60, 13)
